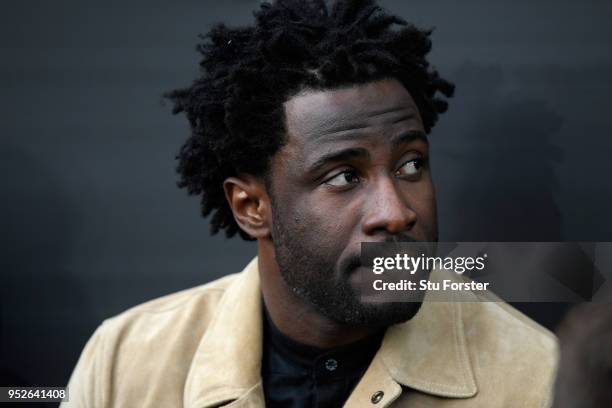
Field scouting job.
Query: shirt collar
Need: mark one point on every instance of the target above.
(354, 356)
(290, 358)
(427, 353)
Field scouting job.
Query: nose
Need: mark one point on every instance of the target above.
(387, 211)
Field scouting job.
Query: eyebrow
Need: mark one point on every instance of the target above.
(407, 137)
(362, 153)
(340, 155)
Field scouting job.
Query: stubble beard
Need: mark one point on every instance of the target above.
(330, 293)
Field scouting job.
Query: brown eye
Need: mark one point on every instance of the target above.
(343, 179)
(411, 167)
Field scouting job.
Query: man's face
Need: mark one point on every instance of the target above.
(354, 169)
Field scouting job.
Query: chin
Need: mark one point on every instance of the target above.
(377, 315)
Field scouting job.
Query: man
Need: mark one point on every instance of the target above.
(309, 136)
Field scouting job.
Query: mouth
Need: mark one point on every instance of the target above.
(351, 266)
(358, 275)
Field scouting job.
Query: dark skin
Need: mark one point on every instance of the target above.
(354, 169)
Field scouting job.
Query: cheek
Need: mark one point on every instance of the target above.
(324, 219)
(320, 224)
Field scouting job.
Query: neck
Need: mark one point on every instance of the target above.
(294, 316)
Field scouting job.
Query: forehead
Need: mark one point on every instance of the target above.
(312, 114)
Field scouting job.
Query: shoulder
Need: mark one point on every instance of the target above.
(149, 342)
(182, 317)
(492, 324)
(511, 354)
(514, 359)
(194, 306)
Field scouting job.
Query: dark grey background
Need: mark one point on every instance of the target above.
(92, 222)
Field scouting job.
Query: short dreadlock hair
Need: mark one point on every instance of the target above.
(235, 106)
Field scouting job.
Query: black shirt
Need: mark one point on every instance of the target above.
(299, 376)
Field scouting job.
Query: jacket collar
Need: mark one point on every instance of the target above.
(427, 353)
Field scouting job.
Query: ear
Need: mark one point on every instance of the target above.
(250, 203)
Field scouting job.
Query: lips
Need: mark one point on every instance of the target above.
(351, 265)
(359, 276)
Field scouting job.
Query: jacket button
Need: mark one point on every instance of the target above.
(377, 396)
(331, 364)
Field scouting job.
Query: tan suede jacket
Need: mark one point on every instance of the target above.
(202, 348)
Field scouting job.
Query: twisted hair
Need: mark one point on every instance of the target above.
(235, 106)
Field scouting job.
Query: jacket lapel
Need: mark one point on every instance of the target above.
(428, 354)
(227, 364)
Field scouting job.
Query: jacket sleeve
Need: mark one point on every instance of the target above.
(87, 386)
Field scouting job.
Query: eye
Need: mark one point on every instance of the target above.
(343, 179)
(411, 167)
